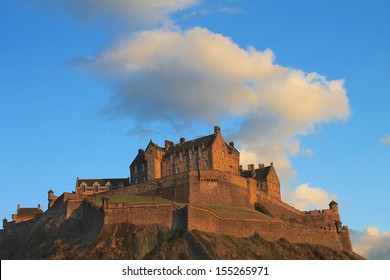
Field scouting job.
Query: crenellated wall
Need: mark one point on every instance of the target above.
(219, 188)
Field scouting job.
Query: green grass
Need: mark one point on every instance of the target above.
(225, 211)
(222, 211)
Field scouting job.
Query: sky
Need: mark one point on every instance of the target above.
(303, 84)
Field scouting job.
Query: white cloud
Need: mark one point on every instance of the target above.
(305, 197)
(386, 140)
(200, 76)
(371, 243)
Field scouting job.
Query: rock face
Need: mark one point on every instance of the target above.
(54, 237)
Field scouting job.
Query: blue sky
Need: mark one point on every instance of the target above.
(83, 86)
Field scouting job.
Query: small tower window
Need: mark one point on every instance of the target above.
(191, 154)
(200, 151)
(172, 159)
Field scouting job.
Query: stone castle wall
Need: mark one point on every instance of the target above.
(219, 188)
(269, 229)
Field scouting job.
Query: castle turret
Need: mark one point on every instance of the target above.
(51, 198)
(334, 206)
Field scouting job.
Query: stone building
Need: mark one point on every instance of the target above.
(26, 214)
(266, 178)
(206, 153)
(92, 186)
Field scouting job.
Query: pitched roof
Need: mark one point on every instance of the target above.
(151, 143)
(140, 157)
(262, 173)
(205, 140)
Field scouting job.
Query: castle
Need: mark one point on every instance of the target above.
(195, 175)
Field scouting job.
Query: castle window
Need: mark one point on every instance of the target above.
(83, 189)
(136, 180)
(181, 157)
(218, 164)
(223, 154)
(177, 170)
(95, 188)
(200, 151)
(168, 172)
(195, 166)
(172, 159)
(217, 152)
(143, 167)
(135, 169)
(191, 154)
(186, 168)
(205, 163)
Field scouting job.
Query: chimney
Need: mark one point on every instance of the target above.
(39, 207)
(182, 140)
(141, 151)
(217, 130)
(251, 167)
(168, 144)
(231, 144)
(261, 165)
(18, 206)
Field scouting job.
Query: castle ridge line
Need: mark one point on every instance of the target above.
(203, 171)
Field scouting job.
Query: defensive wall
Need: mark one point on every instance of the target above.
(224, 188)
(208, 187)
(270, 229)
(196, 218)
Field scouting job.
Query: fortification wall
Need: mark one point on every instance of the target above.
(145, 214)
(320, 218)
(175, 187)
(270, 229)
(223, 188)
(278, 208)
(345, 239)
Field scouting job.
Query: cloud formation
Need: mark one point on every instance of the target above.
(386, 140)
(305, 197)
(371, 243)
(201, 76)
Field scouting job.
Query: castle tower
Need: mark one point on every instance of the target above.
(334, 206)
(51, 198)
